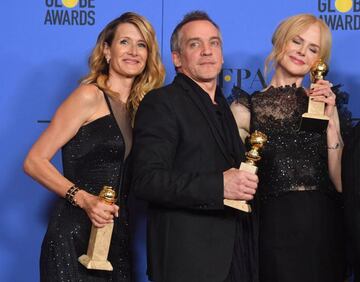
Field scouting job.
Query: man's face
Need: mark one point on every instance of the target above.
(200, 56)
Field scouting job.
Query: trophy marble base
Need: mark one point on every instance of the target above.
(238, 204)
(89, 263)
(98, 249)
(314, 122)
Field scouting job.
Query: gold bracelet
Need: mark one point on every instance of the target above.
(70, 195)
(336, 146)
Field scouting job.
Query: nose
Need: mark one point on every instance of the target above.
(133, 49)
(206, 50)
(302, 50)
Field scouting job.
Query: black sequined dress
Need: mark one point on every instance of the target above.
(94, 157)
(300, 222)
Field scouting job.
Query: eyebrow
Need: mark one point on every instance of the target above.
(199, 39)
(128, 37)
(302, 39)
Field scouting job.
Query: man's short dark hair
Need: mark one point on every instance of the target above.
(189, 17)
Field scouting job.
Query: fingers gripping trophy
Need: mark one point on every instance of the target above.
(100, 238)
(257, 141)
(315, 119)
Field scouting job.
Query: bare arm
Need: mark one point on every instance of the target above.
(242, 118)
(335, 148)
(323, 92)
(81, 107)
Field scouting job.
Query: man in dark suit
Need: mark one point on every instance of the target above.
(351, 187)
(187, 152)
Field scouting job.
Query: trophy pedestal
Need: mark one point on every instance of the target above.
(98, 249)
(238, 204)
(89, 263)
(314, 122)
(248, 167)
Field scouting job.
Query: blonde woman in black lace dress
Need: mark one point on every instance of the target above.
(93, 129)
(300, 226)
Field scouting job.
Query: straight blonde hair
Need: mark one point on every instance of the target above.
(288, 29)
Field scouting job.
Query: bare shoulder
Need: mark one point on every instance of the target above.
(238, 108)
(234, 105)
(87, 95)
(84, 104)
(242, 118)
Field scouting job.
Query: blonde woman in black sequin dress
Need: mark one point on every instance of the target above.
(300, 226)
(93, 128)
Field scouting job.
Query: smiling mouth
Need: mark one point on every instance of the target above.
(297, 61)
(129, 61)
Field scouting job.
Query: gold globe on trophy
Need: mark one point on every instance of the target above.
(100, 238)
(315, 119)
(257, 141)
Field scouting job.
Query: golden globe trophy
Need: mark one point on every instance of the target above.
(100, 238)
(257, 141)
(315, 119)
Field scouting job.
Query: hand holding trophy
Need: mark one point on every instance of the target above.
(100, 238)
(257, 141)
(315, 119)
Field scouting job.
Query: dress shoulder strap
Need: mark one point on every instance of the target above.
(108, 102)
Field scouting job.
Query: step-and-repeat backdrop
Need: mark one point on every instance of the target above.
(44, 49)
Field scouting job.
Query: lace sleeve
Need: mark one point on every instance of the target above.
(342, 99)
(239, 96)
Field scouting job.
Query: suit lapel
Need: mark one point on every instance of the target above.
(208, 115)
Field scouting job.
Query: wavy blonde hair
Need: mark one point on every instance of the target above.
(290, 28)
(152, 76)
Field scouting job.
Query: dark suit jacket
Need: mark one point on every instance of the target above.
(351, 187)
(179, 158)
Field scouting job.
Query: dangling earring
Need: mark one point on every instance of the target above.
(108, 60)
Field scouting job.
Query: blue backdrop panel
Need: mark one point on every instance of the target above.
(44, 52)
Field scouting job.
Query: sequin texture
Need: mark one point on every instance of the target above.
(292, 160)
(91, 159)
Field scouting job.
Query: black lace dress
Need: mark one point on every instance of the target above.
(94, 157)
(300, 215)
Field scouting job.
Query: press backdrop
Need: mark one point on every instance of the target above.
(44, 49)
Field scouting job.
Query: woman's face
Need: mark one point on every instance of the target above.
(128, 52)
(301, 52)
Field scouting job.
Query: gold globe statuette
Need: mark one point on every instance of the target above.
(257, 141)
(314, 119)
(100, 238)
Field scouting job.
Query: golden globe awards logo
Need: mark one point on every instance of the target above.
(70, 12)
(340, 14)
